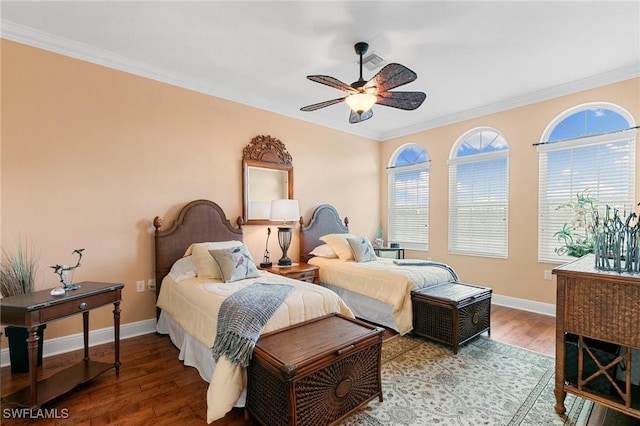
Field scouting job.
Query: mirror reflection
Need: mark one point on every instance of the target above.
(265, 185)
(267, 175)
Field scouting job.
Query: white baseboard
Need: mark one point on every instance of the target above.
(73, 342)
(524, 304)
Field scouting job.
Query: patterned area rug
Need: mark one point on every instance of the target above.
(486, 383)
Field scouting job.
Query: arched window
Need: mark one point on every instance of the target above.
(585, 151)
(408, 199)
(479, 194)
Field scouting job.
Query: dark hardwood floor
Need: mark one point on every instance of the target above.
(155, 388)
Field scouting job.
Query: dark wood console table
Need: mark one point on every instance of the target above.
(33, 309)
(605, 306)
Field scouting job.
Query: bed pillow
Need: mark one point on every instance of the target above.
(339, 244)
(362, 249)
(235, 263)
(183, 269)
(206, 267)
(324, 250)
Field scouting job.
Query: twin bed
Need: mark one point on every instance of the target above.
(376, 290)
(192, 287)
(189, 300)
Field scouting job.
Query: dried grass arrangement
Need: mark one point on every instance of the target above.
(18, 269)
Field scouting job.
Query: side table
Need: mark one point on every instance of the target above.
(398, 253)
(297, 271)
(34, 309)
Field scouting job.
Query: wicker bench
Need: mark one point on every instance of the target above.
(451, 313)
(314, 373)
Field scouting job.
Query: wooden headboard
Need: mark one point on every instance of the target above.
(325, 220)
(198, 222)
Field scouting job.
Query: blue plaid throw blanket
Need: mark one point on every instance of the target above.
(242, 317)
(420, 262)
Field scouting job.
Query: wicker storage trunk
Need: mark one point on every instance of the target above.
(452, 312)
(314, 373)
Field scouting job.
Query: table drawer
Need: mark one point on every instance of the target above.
(308, 276)
(74, 306)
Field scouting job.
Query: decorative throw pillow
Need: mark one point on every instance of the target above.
(235, 263)
(183, 269)
(324, 250)
(362, 249)
(206, 266)
(339, 244)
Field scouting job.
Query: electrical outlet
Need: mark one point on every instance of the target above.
(547, 274)
(139, 286)
(151, 284)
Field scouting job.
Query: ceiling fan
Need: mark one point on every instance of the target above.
(362, 95)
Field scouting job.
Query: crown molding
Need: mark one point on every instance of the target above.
(42, 40)
(580, 85)
(29, 36)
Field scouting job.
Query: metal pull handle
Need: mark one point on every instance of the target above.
(83, 305)
(343, 350)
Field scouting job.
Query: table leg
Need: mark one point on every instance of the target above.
(85, 329)
(559, 391)
(116, 332)
(32, 348)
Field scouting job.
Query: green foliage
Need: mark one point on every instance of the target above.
(18, 269)
(578, 237)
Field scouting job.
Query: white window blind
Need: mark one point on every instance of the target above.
(602, 165)
(478, 205)
(408, 206)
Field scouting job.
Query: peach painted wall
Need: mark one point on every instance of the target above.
(91, 155)
(520, 275)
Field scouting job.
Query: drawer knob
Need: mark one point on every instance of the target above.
(476, 318)
(83, 305)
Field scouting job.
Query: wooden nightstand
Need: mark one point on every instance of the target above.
(297, 271)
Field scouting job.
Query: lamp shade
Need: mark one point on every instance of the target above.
(360, 102)
(284, 210)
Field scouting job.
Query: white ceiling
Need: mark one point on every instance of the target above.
(472, 58)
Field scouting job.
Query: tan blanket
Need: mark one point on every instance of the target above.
(384, 281)
(194, 306)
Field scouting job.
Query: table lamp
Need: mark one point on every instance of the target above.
(285, 211)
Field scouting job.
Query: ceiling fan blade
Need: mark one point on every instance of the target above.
(354, 117)
(401, 100)
(389, 77)
(322, 104)
(332, 82)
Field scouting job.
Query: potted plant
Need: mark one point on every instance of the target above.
(18, 268)
(578, 237)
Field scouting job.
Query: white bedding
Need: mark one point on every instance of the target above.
(384, 281)
(194, 306)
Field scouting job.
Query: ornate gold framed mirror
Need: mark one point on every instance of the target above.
(267, 174)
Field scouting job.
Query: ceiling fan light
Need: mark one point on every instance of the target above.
(360, 102)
